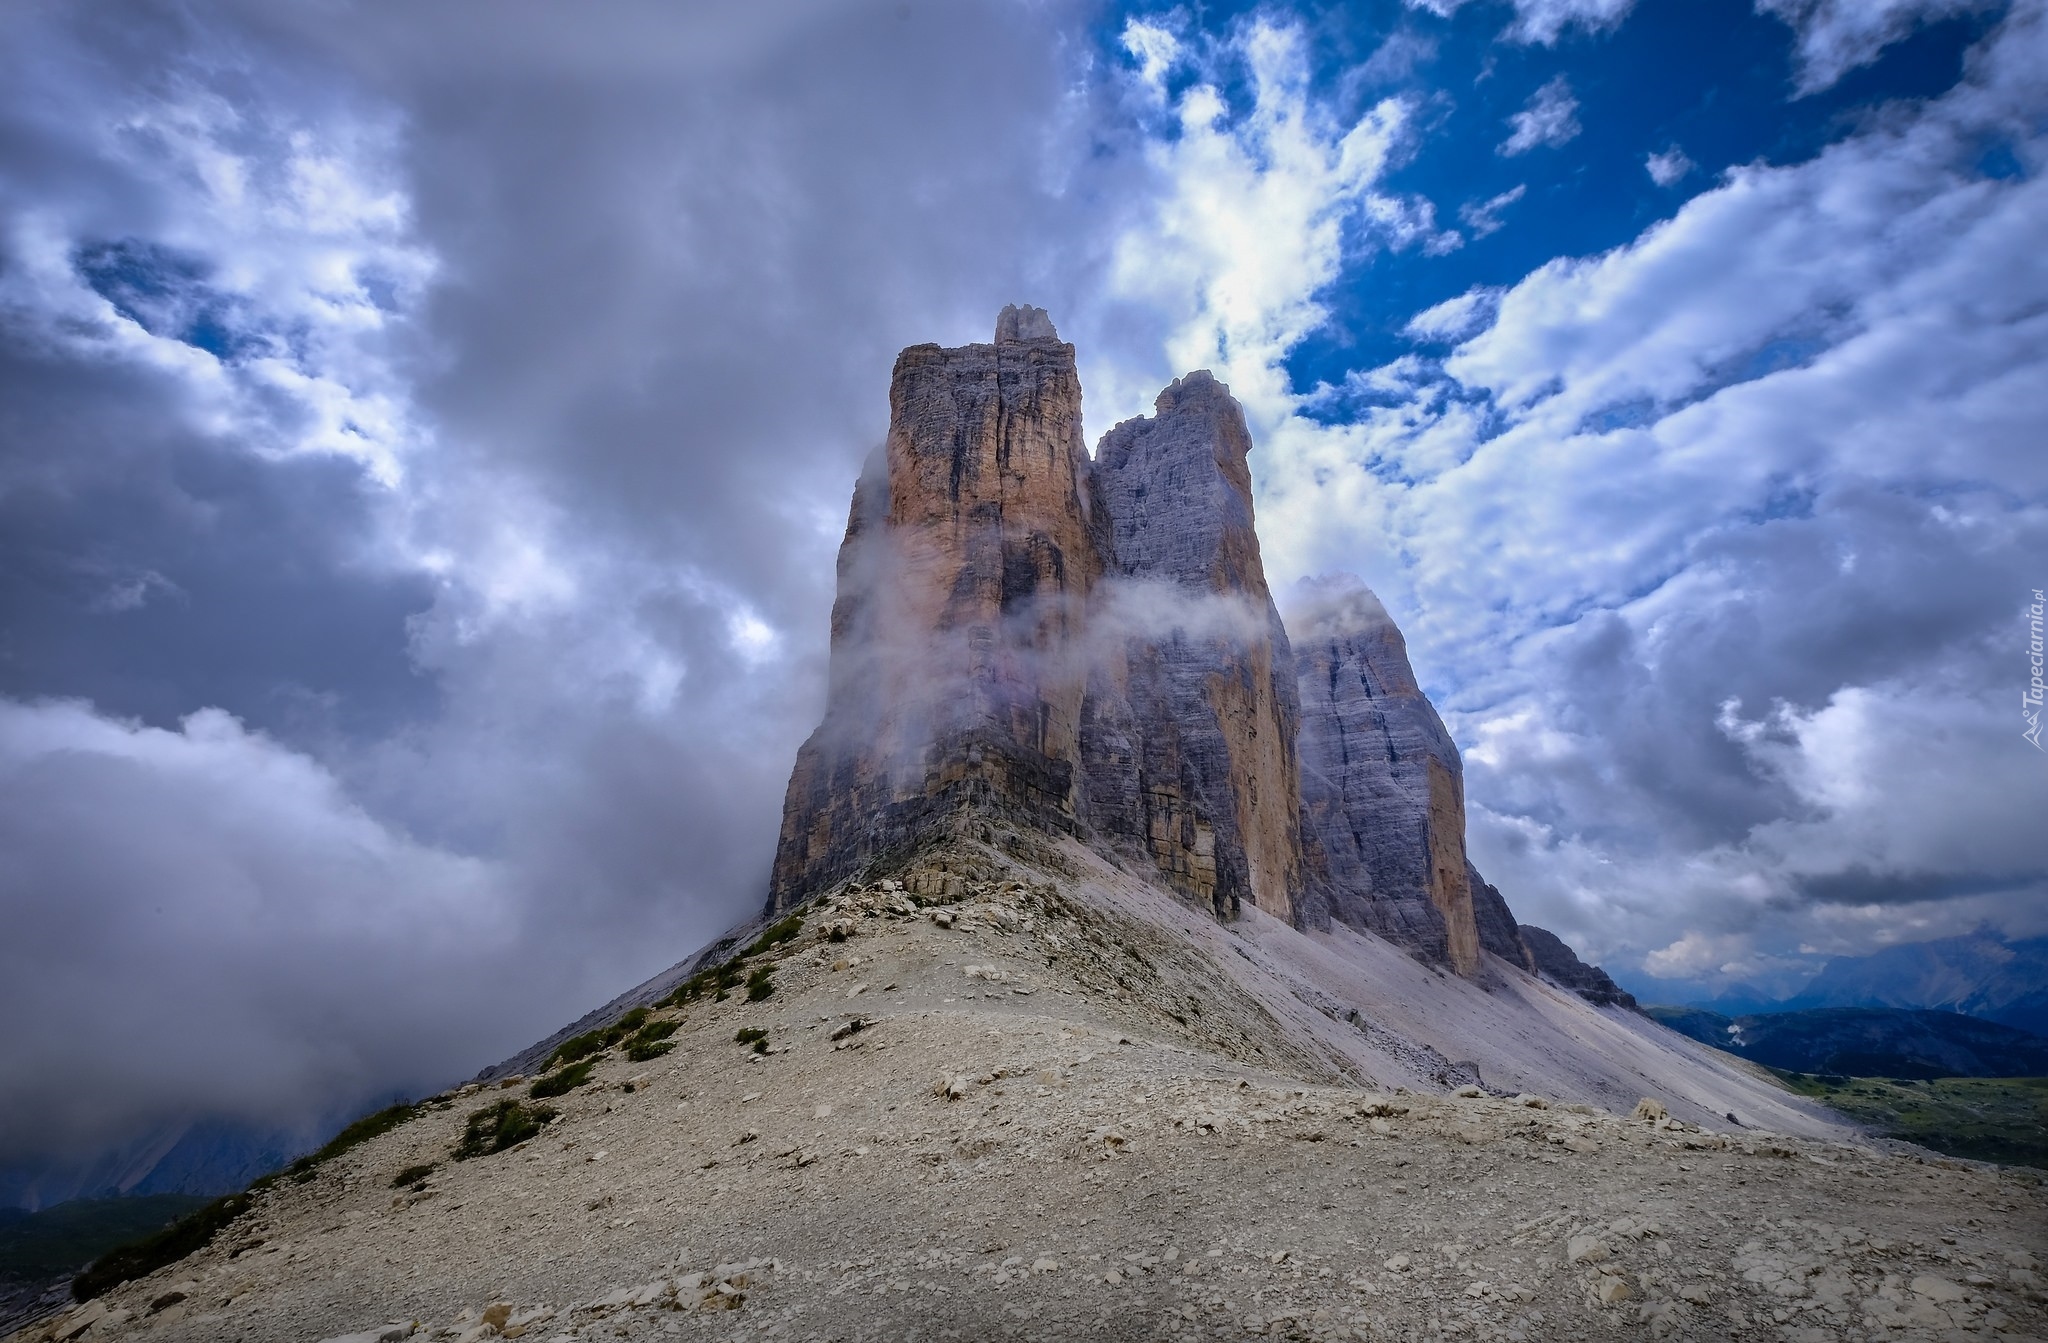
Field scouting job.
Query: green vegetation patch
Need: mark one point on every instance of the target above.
(140, 1258)
(413, 1175)
(651, 1041)
(577, 1047)
(759, 984)
(36, 1247)
(654, 1030)
(497, 1127)
(355, 1135)
(775, 934)
(563, 1082)
(2003, 1119)
(596, 1042)
(716, 980)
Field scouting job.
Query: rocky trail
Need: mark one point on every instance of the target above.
(962, 1112)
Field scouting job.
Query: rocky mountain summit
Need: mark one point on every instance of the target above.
(1024, 631)
(1123, 975)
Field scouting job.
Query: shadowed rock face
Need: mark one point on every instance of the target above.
(1381, 781)
(1498, 931)
(1559, 962)
(956, 677)
(1189, 737)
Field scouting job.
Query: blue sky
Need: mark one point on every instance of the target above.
(426, 441)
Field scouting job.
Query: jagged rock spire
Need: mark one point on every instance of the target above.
(1382, 782)
(1189, 738)
(965, 571)
(1092, 647)
(1018, 323)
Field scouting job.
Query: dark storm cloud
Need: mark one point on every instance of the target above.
(153, 572)
(1858, 885)
(468, 398)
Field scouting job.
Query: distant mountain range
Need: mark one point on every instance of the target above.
(1868, 1041)
(205, 1158)
(1978, 974)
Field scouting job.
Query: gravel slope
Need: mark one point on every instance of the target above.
(1080, 1112)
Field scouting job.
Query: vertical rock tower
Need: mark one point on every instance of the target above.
(1190, 736)
(1381, 782)
(1091, 647)
(965, 572)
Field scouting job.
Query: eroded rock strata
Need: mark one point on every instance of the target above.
(956, 680)
(1381, 780)
(1092, 646)
(1495, 923)
(1001, 598)
(1191, 733)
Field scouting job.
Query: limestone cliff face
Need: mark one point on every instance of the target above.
(1559, 962)
(1092, 646)
(1189, 741)
(1381, 780)
(956, 676)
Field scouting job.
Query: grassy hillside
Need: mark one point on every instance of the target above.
(2002, 1119)
(39, 1246)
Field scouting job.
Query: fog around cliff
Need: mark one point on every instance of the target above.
(426, 437)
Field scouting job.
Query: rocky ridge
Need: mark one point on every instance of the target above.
(979, 1102)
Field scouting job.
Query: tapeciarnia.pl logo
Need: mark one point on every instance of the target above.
(2030, 703)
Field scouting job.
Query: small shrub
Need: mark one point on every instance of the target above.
(577, 1047)
(563, 1082)
(655, 1030)
(776, 934)
(497, 1127)
(749, 1034)
(642, 1051)
(413, 1175)
(759, 985)
(597, 1041)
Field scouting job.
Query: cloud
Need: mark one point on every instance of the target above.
(1698, 541)
(483, 398)
(1455, 318)
(1544, 21)
(1484, 217)
(1670, 167)
(242, 941)
(1256, 211)
(1795, 510)
(1550, 118)
(1836, 36)
(1156, 50)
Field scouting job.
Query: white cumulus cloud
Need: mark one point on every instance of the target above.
(1550, 119)
(1670, 167)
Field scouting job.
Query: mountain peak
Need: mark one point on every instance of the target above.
(1022, 322)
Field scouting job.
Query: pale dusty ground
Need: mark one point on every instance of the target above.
(1104, 1170)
